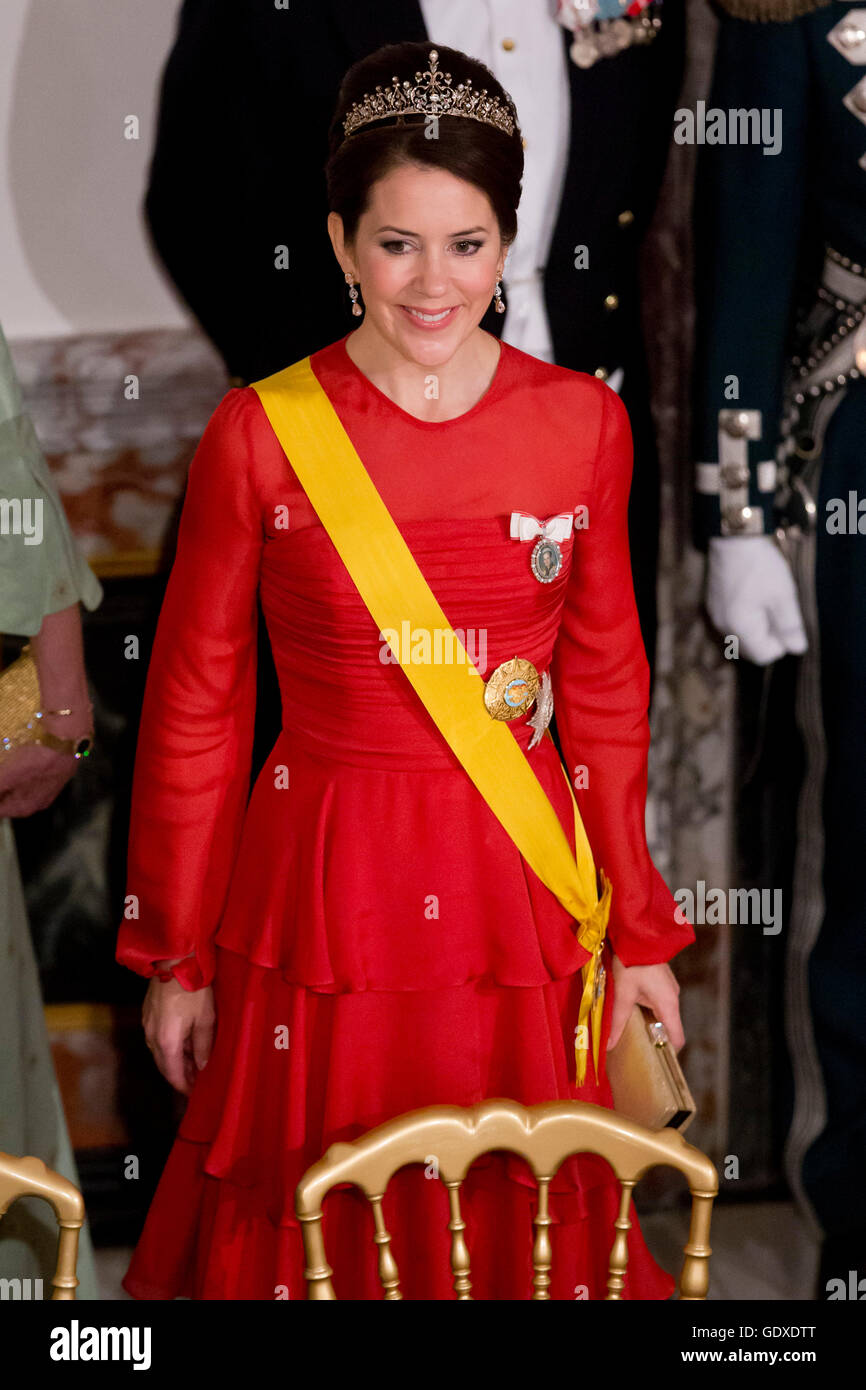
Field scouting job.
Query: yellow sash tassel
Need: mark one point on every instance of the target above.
(592, 999)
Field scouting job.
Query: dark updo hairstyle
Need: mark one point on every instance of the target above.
(470, 149)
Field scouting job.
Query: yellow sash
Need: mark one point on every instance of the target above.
(392, 586)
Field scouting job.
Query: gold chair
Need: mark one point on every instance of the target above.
(545, 1135)
(29, 1177)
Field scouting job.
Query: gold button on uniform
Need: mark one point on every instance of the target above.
(601, 372)
(611, 301)
(523, 141)
(508, 45)
(625, 218)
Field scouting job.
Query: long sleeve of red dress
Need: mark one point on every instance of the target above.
(600, 681)
(193, 758)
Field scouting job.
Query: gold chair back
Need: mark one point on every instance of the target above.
(29, 1177)
(544, 1135)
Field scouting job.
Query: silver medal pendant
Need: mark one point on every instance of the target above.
(546, 560)
(543, 710)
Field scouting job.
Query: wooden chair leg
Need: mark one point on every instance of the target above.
(65, 1282)
(695, 1274)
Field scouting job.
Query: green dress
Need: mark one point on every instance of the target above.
(35, 580)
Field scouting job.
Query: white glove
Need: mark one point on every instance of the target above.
(751, 594)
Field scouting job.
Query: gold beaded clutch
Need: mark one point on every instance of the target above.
(646, 1080)
(19, 701)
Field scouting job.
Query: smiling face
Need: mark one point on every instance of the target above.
(427, 255)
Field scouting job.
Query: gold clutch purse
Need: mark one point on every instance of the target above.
(19, 701)
(645, 1077)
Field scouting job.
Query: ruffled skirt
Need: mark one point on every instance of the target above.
(294, 1070)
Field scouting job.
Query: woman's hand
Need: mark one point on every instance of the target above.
(31, 777)
(656, 987)
(179, 1028)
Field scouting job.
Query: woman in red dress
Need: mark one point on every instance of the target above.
(363, 937)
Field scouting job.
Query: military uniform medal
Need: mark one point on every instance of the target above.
(604, 28)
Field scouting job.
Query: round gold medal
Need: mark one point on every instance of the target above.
(511, 689)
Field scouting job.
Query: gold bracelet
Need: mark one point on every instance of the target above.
(79, 747)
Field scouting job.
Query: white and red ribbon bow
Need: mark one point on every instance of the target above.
(525, 526)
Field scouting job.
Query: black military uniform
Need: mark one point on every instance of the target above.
(781, 283)
(247, 97)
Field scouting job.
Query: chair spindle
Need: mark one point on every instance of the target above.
(459, 1248)
(389, 1276)
(619, 1249)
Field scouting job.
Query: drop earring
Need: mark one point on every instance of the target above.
(498, 302)
(353, 294)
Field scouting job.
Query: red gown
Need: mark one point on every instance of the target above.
(366, 898)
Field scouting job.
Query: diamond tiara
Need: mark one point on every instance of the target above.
(432, 95)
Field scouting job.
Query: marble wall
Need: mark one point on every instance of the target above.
(118, 417)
